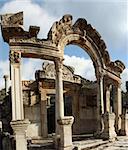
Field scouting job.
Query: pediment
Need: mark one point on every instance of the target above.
(48, 72)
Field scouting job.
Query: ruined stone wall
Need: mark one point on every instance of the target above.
(88, 111)
(33, 114)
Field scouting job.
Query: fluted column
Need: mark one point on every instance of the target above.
(108, 88)
(19, 125)
(6, 83)
(64, 124)
(16, 86)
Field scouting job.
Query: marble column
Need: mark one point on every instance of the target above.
(63, 131)
(124, 125)
(59, 89)
(100, 106)
(19, 125)
(117, 106)
(59, 103)
(108, 89)
(16, 86)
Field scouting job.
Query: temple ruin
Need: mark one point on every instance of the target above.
(59, 102)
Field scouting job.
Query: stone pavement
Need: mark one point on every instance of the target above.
(120, 144)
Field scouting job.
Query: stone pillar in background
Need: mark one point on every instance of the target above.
(59, 103)
(75, 109)
(6, 83)
(108, 89)
(19, 125)
(43, 95)
(117, 107)
(100, 106)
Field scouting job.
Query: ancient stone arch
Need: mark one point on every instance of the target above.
(26, 44)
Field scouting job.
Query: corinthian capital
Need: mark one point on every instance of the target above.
(59, 64)
(14, 57)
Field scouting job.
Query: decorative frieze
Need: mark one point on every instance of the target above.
(48, 72)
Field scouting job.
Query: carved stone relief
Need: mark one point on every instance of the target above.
(48, 72)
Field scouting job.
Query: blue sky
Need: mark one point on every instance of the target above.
(110, 18)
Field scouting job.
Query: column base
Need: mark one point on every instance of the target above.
(109, 130)
(100, 128)
(118, 121)
(124, 125)
(65, 131)
(19, 127)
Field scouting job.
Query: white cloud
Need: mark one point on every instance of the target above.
(29, 67)
(27, 70)
(109, 18)
(83, 67)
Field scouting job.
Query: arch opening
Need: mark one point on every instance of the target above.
(81, 99)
